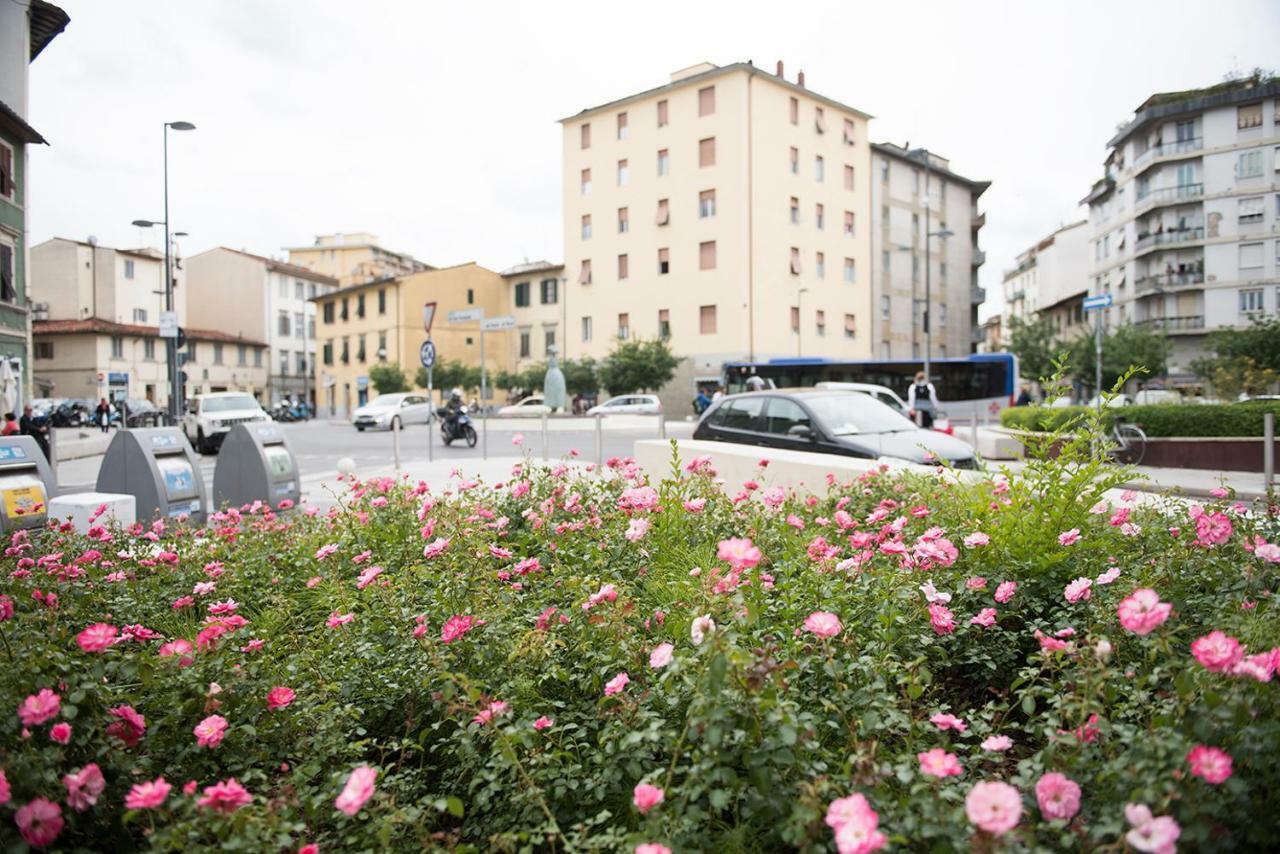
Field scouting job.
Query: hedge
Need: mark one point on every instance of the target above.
(1157, 420)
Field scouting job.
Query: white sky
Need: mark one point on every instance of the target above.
(433, 125)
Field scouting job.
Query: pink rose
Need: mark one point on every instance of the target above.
(1077, 590)
(543, 722)
(84, 787)
(1217, 652)
(98, 637)
(279, 697)
(985, 618)
(652, 848)
(997, 743)
(1005, 591)
(976, 539)
(60, 732)
(941, 618)
(358, 789)
(39, 822)
(225, 797)
(855, 825)
(945, 722)
(148, 795)
(616, 684)
(1069, 538)
(1058, 796)
(1141, 612)
(1210, 764)
(938, 763)
(1150, 833)
(824, 624)
(39, 707)
(646, 797)
(993, 806)
(661, 656)
(210, 731)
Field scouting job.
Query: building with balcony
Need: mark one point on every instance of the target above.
(1051, 279)
(262, 299)
(536, 290)
(1185, 224)
(353, 258)
(915, 193)
(727, 210)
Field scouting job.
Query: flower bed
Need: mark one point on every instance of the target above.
(567, 662)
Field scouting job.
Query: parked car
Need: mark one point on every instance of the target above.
(882, 393)
(634, 404)
(209, 417)
(1115, 402)
(393, 411)
(531, 405)
(140, 413)
(829, 422)
(1156, 395)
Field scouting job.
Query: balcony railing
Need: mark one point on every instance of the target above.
(1181, 146)
(979, 258)
(977, 334)
(1166, 195)
(1185, 323)
(977, 296)
(978, 221)
(1164, 238)
(1162, 281)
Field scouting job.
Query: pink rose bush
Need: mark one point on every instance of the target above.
(886, 658)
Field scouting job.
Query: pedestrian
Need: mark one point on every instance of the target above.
(701, 402)
(10, 427)
(1024, 397)
(922, 400)
(755, 383)
(719, 394)
(102, 415)
(31, 426)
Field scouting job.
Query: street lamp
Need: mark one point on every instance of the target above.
(928, 289)
(800, 319)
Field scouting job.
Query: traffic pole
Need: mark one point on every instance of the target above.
(1097, 367)
(431, 401)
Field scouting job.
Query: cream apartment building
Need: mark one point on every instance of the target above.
(536, 289)
(354, 257)
(728, 211)
(915, 194)
(1051, 279)
(267, 300)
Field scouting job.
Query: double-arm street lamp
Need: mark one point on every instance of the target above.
(171, 349)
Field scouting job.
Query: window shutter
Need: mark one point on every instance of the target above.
(664, 212)
(584, 276)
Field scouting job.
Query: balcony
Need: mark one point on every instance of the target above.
(977, 296)
(977, 335)
(1166, 238)
(1016, 296)
(979, 257)
(1170, 195)
(1168, 281)
(1186, 323)
(977, 221)
(1182, 146)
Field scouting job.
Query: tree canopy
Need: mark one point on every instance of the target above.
(638, 365)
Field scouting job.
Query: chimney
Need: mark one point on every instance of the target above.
(800, 79)
(780, 68)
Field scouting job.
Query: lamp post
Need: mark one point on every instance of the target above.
(928, 288)
(800, 320)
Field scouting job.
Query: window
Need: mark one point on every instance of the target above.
(664, 212)
(884, 307)
(795, 161)
(586, 329)
(886, 260)
(795, 211)
(139, 315)
(299, 325)
(850, 271)
(7, 184)
(44, 349)
(942, 314)
(741, 414)
(848, 132)
(282, 323)
(819, 218)
(795, 260)
(522, 294)
(884, 171)
(820, 265)
(819, 120)
(550, 291)
(1250, 210)
(471, 296)
(1249, 116)
(524, 344)
(884, 350)
(128, 268)
(942, 268)
(706, 204)
(217, 352)
(283, 288)
(850, 326)
(795, 319)
(664, 324)
(257, 356)
(584, 275)
(795, 111)
(1250, 256)
(664, 163)
(624, 326)
(284, 362)
(1249, 164)
(707, 319)
(193, 350)
(346, 351)
(624, 172)
(624, 268)
(548, 339)
(8, 290)
(707, 152)
(242, 355)
(149, 349)
(783, 415)
(1250, 300)
(707, 255)
(328, 312)
(311, 290)
(586, 182)
(382, 301)
(819, 168)
(585, 138)
(915, 267)
(299, 290)
(707, 101)
(622, 125)
(664, 261)
(302, 364)
(848, 224)
(361, 353)
(848, 177)
(360, 305)
(624, 222)
(820, 322)
(586, 226)
(662, 113)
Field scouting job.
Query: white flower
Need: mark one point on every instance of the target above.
(702, 626)
(931, 593)
(1102, 649)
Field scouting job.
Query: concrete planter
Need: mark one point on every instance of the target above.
(1213, 453)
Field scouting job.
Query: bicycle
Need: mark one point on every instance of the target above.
(1128, 443)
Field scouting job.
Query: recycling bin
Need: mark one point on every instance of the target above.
(256, 464)
(26, 483)
(157, 466)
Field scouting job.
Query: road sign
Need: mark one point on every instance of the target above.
(466, 315)
(427, 354)
(168, 324)
(1095, 303)
(493, 324)
(428, 315)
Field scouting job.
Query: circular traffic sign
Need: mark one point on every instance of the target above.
(427, 353)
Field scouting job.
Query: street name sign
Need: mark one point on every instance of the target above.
(466, 315)
(494, 324)
(1095, 303)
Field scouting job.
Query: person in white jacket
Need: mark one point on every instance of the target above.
(922, 400)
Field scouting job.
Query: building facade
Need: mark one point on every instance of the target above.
(354, 258)
(25, 30)
(265, 300)
(382, 321)
(536, 289)
(1051, 279)
(726, 211)
(1184, 222)
(914, 193)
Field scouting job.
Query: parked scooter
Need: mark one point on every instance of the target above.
(456, 424)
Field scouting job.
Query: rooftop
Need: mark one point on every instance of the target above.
(531, 267)
(280, 266)
(14, 125)
(1164, 105)
(47, 20)
(918, 157)
(108, 327)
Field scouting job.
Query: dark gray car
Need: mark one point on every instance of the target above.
(848, 423)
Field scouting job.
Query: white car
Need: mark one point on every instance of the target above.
(209, 417)
(531, 405)
(392, 411)
(882, 393)
(631, 404)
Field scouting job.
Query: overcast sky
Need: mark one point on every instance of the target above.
(433, 125)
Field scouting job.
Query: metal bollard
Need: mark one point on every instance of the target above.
(395, 442)
(431, 423)
(545, 443)
(599, 440)
(975, 426)
(1268, 451)
(662, 424)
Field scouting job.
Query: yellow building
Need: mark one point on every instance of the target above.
(728, 211)
(536, 303)
(354, 258)
(382, 321)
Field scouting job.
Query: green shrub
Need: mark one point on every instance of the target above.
(1157, 420)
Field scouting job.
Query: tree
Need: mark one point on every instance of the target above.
(1260, 342)
(1122, 348)
(1231, 376)
(387, 378)
(638, 365)
(580, 376)
(1035, 345)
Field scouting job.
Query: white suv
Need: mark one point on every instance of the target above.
(209, 417)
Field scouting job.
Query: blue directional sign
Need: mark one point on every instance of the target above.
(1095, 303)
(427, 353)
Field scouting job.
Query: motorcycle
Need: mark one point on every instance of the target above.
(456, 424)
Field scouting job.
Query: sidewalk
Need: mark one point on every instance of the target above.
(1189, 483)
(323, 490)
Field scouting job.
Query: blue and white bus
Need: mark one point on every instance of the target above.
(981, 378)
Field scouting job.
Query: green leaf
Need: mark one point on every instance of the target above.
(454, 805)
